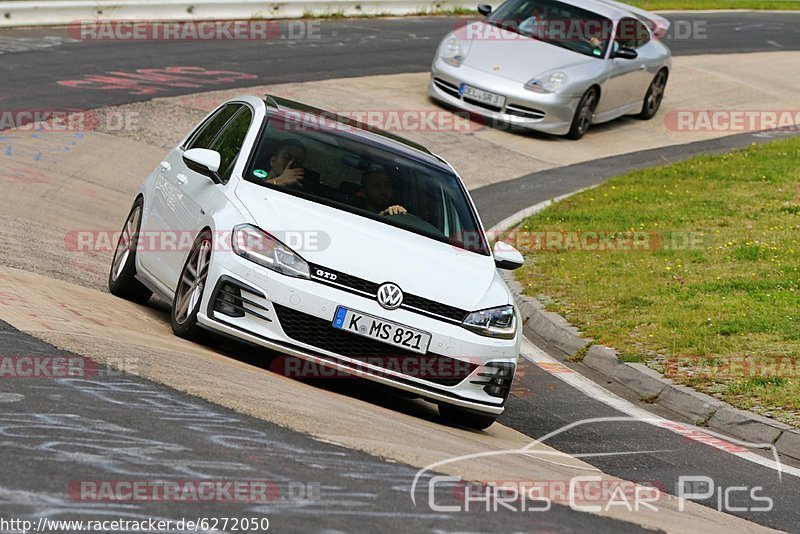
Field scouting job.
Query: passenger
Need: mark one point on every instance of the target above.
(286, 164)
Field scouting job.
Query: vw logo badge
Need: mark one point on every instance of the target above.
(390, 296)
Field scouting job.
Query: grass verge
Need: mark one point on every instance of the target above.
(692, 268)
(691, 5)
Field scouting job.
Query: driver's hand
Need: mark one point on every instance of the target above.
(394, 210)
(288, 176)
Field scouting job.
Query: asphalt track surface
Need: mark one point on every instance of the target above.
(33, 61)
(45, 445)
(117, 427)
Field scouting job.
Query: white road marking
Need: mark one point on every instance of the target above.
(25, 44)
(589, 388)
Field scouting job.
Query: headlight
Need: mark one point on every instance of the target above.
(259, 247)
(497, 322)
(550, 83)
(452, 52)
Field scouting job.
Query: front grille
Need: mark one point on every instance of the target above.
(323, 274)
(482, 104)
(522, 111)
(447, 87)
(436, 308)
(319, 333)
(370, 289)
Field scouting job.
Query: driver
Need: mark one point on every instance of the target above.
(286, 164)
(378, 193)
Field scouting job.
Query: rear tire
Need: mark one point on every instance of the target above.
(583, 114)
(189, 292)
(122, 280)
(464, 418)
(654, 95)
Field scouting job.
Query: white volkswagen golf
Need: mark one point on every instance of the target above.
(337, 245)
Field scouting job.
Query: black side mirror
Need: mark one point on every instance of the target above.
(484, 9)
(626, 53)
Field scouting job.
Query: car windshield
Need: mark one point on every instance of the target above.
(556, 23)
(326, 165)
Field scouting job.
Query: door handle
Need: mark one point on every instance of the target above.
(180, 179)
(165, 166)
(642, 67)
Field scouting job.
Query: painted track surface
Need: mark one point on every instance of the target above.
(540, 403)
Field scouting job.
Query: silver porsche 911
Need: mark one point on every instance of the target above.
(554, 66)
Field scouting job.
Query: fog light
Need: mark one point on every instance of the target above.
(229, 301)
(497, 383)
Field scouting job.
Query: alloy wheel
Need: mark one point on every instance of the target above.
(126, 242)
(193, 278)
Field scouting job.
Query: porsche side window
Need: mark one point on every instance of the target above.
(229, 141)
(626, 33)
(642, 35)
(205, 134)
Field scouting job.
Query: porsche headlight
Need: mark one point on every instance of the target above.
(452, 52)
(497, 322)
(256, 245)
(550, 83)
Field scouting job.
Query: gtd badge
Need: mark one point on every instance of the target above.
(390, 296)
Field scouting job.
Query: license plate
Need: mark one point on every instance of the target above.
(480, 95)
(385, 331)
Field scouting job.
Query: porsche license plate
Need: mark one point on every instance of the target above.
(480, 95)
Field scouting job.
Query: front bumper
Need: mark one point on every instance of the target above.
(551, 113)
(287, 314)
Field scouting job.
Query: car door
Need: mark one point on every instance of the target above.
(624, 75)
(175, 203)
(650, 58)
(197, 193)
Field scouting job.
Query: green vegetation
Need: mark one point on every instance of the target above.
(687, 5)
(704, 281)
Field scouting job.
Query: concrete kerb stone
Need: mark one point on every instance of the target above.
(747, 425)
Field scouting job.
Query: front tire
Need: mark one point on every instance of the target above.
(189, 293)
(654, 95)
(583, 114)
(464, 418)
(122, 280)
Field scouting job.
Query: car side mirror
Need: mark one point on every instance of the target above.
(506, 256)
(625, 53)
(204, 161)
(484, 9)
